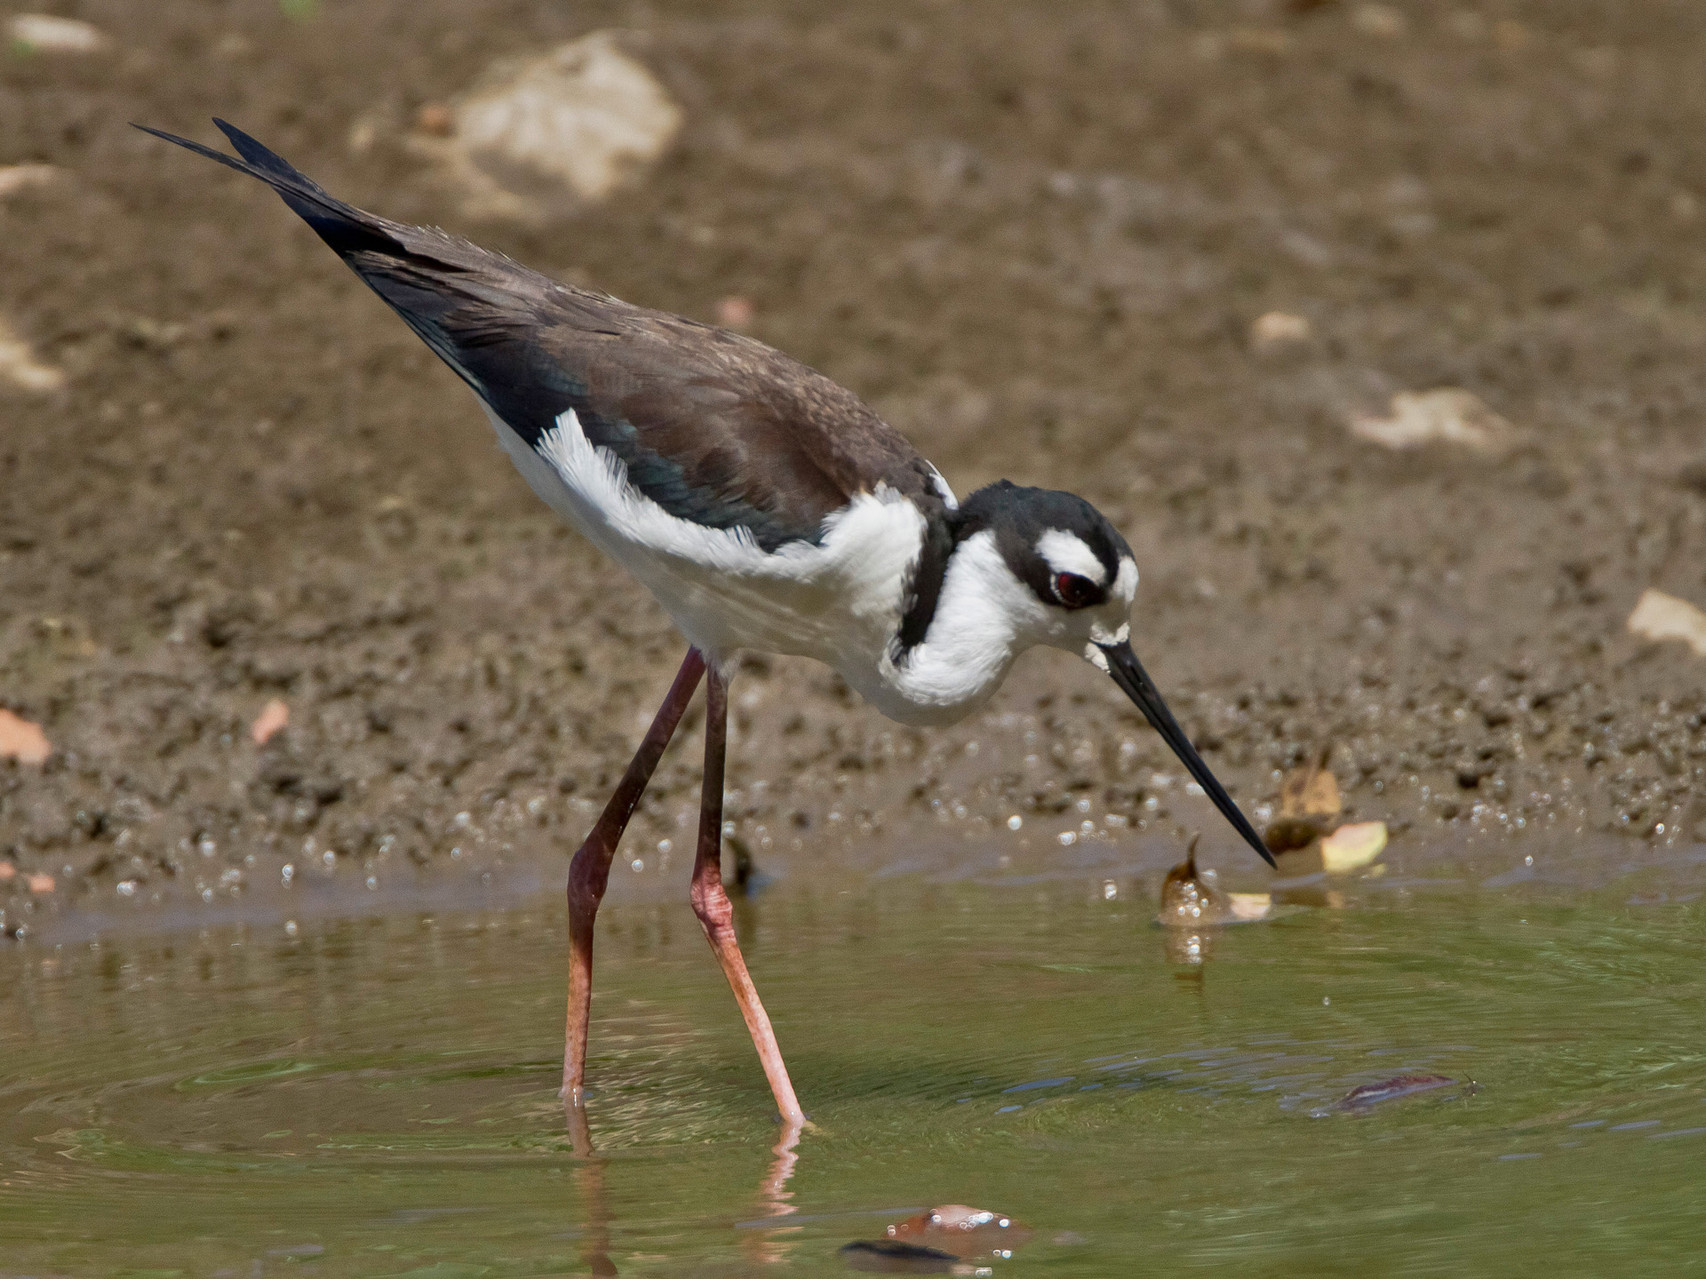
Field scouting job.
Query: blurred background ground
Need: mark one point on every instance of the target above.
(1042, 239)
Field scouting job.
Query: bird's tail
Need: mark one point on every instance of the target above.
(344, 227)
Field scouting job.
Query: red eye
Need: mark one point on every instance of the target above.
(1074, 591)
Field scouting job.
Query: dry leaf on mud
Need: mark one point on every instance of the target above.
(1352, 847)
(7, 871)
(274, 716)
(1308, 799)
(21, 740)
(39, 883)
(1658, 616)
(1446, 415)
(1192, 898)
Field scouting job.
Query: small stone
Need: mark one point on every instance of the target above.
(274, 717)
(1659, 616)
(39, 883)
(20, 367)
(45, 33)
(27, 177)
(1277, 329)
(734, 312)
(435, 119)
(21, 740)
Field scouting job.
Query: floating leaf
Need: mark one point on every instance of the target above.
(1352, 847)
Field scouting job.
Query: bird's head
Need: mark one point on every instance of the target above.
(1068, 580)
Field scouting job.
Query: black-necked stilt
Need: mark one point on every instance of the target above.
(764, 506)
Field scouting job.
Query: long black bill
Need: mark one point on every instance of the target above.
(1130, 676)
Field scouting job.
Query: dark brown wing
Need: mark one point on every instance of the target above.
(712, 426)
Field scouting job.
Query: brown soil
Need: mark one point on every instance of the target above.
(1035, 236)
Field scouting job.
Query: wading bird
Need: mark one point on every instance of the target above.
(764, 506)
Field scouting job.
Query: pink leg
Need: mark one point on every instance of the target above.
(590, 870)
(711, 902)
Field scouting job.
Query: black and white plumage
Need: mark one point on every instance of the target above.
(763, 505)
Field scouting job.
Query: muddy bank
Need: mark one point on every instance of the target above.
(1038, 240)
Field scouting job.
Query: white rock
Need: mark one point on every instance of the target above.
(1447, 415)
(1658, 616)
(49, 34)
(26, 177)
(583, 119)
(20, 367)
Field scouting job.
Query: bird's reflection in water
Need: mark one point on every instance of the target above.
(760, 1241)
(765, 1243)
(589, 1181)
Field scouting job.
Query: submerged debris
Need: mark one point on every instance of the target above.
(963, 1231)
(1370, 1095)
(891, 1257)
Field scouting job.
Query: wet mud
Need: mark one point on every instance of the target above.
(1039, 239)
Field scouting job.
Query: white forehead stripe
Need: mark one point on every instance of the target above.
(1066, 553)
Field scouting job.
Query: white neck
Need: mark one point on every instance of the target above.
(984, 619)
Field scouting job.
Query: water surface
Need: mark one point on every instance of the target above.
(378, 1096)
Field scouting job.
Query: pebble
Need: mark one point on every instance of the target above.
(1659, 616)
(45, 33)
(582, 121)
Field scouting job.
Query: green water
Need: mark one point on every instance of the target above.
(377, 1097)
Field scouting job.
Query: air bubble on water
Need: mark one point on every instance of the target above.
(329, 857)
(1015, 821)
(664, 845)
(290, 928)
(637, 865)
(287, 872)
(372, 883)
(1068, 837)
(1110, 890)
